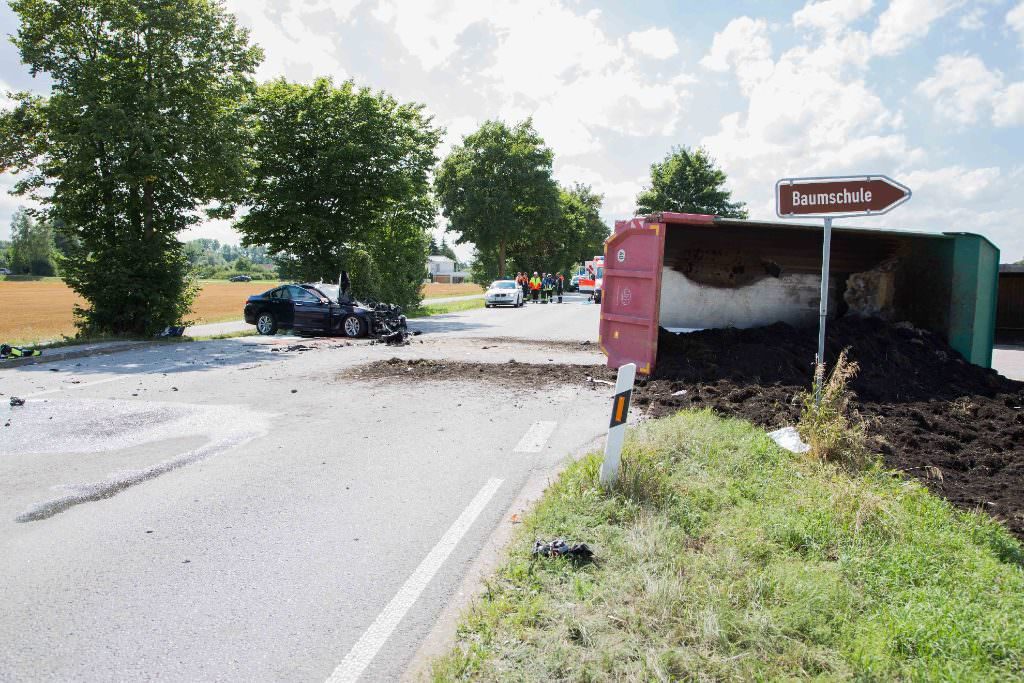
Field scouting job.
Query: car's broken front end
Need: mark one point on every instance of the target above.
(385, 319)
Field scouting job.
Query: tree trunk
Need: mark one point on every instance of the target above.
(501, 259)
(147, 207)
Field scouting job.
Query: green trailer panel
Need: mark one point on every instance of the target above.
(974, 296)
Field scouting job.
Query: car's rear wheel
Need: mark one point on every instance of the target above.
(353, 326)
(266, 323)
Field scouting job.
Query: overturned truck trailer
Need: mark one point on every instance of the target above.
(686, 272)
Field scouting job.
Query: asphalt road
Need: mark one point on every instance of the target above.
(234, 510)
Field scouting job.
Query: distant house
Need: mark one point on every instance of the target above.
(444, 269)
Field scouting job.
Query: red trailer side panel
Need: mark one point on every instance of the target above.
(631, 294)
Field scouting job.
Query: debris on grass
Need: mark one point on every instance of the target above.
(559, 548)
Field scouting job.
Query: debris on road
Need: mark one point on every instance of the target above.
(292, 348)
(15, 401)
(171, 332)
(511, 373)
(559, 548)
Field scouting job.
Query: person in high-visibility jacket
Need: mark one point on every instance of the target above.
(535, 286)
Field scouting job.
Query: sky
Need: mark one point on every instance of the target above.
(929, 92)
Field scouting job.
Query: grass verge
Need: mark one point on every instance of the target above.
(427, 309)
(722, 557)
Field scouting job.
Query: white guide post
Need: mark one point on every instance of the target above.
(617, 426)
(826, 256)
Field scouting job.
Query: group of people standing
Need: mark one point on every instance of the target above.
(541, 288)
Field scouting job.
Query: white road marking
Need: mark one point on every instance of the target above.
(363, 652)
(536, 437)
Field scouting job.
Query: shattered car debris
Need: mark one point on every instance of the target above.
(559, 548)
(321, 309)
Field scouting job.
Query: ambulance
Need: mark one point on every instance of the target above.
(590, 281)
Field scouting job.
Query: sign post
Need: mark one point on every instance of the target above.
(834, 197)
(617, 426)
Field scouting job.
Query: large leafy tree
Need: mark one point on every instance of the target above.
(576, 234)
(32, 247)
(142, 128)
(689, 181)
(340, 181)
(497, 191)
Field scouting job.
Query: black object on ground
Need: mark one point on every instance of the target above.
(15, 401)
(172, 332)
(559, 548)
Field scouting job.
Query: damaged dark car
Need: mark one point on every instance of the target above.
(321, 309)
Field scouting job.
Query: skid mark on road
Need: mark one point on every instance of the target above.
(98, 426)
(363, 652)
(536, 437)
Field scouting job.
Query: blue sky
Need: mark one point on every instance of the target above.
(930, 92)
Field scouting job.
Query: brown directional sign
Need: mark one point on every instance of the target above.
(841, 196)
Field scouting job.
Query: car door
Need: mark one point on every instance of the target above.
(279, 302)
(310, 310)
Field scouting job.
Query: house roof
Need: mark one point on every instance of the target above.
(440, 259)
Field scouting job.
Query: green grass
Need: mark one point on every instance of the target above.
(428, 309)
(722, 557)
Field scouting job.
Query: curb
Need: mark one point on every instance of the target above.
(58, 356)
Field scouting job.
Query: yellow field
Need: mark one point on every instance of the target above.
(437, 290)
(41, 311)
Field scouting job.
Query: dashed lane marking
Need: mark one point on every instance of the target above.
(536, 437)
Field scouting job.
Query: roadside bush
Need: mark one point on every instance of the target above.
(827, 426)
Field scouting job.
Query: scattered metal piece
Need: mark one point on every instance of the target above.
(559, 548)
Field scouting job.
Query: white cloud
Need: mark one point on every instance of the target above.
(551, 62)
(619, 195)
(831, 16)
(294, 44)
(742, 46)
(973, 20)
(1015, 20)
(656, 43)
(1008, 106)
(961, 87)
(906, 21)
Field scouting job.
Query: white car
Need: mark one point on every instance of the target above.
(503, 293)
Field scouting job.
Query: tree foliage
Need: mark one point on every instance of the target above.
(340, 181)
(689, 181)
(143, 127)
(32, 248)
(577, 234)
(497, 191)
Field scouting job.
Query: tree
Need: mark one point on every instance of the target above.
(143, 127)
(688, 181)
(496, 190)
(32, 247)
(341, 182)
(446, 250)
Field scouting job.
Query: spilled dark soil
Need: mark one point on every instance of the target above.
(512, 373)
(956, 427)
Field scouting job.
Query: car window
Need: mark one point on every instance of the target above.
(300, 294)
(503, 284)
(280, 293)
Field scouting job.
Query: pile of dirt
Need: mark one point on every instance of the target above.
(898, 362)
(511, 374)
(957, 427)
